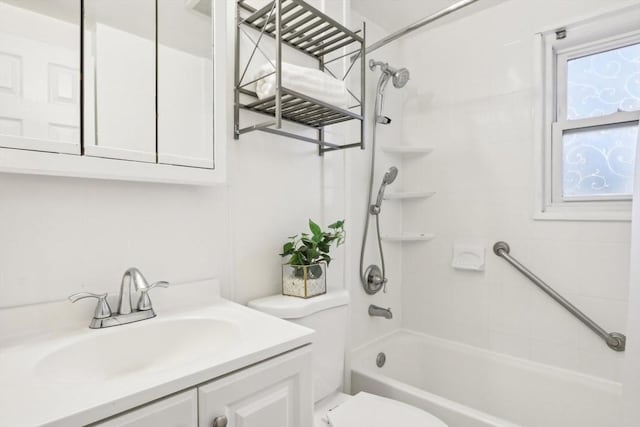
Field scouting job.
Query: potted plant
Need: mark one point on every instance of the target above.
(304, 274)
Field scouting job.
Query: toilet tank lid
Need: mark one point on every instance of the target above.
(286, 307)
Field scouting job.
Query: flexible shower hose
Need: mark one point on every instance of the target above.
(368, 213)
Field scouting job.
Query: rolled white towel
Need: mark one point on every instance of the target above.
(310, 82)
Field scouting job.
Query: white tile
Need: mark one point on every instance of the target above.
(610, 314)
(512, 345)
(551, 353)
(510, 309)
(11, 126)
(601, 361)
(10, 74)
(469, 293)
(605, 271)
(553, 323)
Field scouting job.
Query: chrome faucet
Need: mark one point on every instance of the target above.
(375, 311)
(103, 316)
(137, 281)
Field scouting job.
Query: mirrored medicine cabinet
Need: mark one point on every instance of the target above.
(124, 88)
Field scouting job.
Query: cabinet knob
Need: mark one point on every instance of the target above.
(220, 421)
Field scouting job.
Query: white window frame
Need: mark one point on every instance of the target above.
(594, 35)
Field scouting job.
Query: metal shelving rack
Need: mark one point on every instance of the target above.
(296, 24)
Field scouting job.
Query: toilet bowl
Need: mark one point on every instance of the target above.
(365, 410)
(328, 316)
(321, 408)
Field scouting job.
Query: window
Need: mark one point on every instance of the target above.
(591, 109)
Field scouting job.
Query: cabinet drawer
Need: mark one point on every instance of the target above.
(179, 410)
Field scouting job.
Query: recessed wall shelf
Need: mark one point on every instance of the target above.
(409, 195)
(408, 237)
(305, 29)
(407, 150)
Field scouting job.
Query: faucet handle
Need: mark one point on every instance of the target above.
(102, 309)
(144, 303)
(161, 283)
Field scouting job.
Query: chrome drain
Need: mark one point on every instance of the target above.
(381, 359)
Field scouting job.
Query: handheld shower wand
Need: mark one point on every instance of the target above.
(373, 277)
(388, 178)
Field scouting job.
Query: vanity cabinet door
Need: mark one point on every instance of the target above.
(39, 75)
(185, 83)
(179, 410)
(275, 393)
(120, 79)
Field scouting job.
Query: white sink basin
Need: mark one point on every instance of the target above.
(58, 372)
(147, 346)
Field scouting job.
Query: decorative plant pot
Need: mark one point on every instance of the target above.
(304, 281)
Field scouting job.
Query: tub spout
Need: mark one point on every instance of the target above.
(375, 311)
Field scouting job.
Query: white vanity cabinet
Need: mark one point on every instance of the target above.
(273, 393)
(179, 410)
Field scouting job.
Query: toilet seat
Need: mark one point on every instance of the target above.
(366, 410)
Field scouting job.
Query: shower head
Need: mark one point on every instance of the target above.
(390, 175)
(388, 178)
(400, 76)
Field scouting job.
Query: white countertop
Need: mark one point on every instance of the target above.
(31, 396)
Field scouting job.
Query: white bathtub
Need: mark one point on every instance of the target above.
(470, 387)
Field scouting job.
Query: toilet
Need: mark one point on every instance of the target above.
(328, 316)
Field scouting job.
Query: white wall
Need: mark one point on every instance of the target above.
(276, 186)
(472, 97)
(62, 235)
(631, 382)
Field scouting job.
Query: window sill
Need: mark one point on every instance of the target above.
(568, 213)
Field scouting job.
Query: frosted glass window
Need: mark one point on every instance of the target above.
(604, 83)
(599, 161)
(591, 114)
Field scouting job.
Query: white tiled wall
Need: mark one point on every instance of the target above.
(471, 96)
(364, 327)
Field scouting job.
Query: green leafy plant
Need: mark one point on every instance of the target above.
(311, 248)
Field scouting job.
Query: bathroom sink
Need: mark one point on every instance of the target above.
(150, 346)
(58, 372)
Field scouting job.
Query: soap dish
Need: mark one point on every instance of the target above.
(468, 257)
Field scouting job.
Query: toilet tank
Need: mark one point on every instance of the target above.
(327, 315)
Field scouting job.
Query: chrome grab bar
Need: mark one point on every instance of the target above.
(615, 340)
